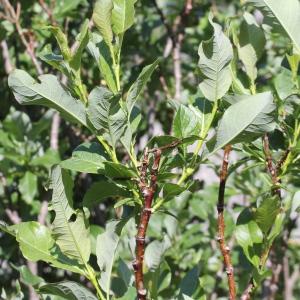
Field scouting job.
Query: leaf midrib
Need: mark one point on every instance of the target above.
(31, 87)
(69, 228)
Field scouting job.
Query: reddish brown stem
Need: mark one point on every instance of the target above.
(147, 191)
(270, 166)
(221, 225)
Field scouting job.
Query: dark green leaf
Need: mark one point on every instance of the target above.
(102, 190)
(86, 158)
(68, 290)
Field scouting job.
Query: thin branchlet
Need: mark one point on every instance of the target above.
(273, 170)
(225, 250)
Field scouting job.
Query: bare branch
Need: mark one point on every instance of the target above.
(54, 131)
(8, 66)
(174, 42)
(48, 11)
(14, 15)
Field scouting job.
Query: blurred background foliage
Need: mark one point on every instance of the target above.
(31, 141)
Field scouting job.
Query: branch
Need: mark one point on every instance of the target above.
(176, 36)
(48, 11)
(248, 291)
(147, 191)
(54, 134)
(169, 29)
(8, 66)
(14, 16)
(273, 170)
(225, 250)
(270, 166)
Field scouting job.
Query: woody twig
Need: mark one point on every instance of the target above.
(221, 225)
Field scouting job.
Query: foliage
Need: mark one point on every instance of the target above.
(119, 198)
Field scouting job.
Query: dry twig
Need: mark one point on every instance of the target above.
(175, 39)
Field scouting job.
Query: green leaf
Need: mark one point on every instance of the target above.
(64, 8)
(86, 158)
(102, 190)
(154, 254)
(138, 86)
(277, 227)
(101, 53)
(187, 122)
(54, 60)
(47, 160)
(249, 236)
(266, 213)
(62, 41)
(70, 227)
(118, 171)
(122, 15)
(28, 187)
(246, 120)
(17, 124)
(102, 18)
(251, 44)
(190, 282)
(214, 63)
(106, 115)
(285, 13)
(82, 41)
(172, 190)
(49, 92)
(106, 247)
(132, 125)
(284, 84)
(125, 273)
(130, 294)
(36, 243)
(68, 290)
(28, 278)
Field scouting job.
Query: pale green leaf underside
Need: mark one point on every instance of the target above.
(37, 244)
(102, 19)
(187, 122)
(71, 235)
(122, 15)
(106, 115)
(106, 247)
(49, 92)
(214, 59)
(251, 115)
(101, 53)
(286, 13)
(251, 44)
